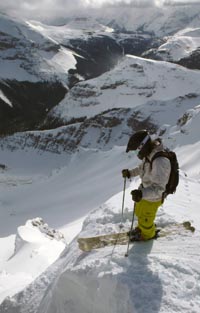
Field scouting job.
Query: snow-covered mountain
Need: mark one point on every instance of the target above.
(63, 180)
(50, 59)
(27, 55)
(133, 83)
(103, 112)
(33, 68)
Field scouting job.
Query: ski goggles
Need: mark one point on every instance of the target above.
(144, 141)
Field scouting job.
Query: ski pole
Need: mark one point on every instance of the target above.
(127, 252)
(123, 202)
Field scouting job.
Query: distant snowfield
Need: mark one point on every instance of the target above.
(180, 45)
(32, 64)
(77, 28)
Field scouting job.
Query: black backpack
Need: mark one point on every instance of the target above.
(174, 175)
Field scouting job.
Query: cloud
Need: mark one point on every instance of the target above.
(43, 9)
(40, 8)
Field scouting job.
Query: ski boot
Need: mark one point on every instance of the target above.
(135, 234)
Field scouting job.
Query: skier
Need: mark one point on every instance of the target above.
(154, 178)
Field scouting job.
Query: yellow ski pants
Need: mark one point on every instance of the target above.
(146, 213)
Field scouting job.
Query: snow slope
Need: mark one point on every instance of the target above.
(158, 276)
(27, 55)
(81, 28)
(49, 186)
(131, 84)
(103, 112)
(63, 188)
(159, 20)
(79, 194)
(180, 45)
(33, 51)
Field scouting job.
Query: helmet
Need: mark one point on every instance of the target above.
(140, 141)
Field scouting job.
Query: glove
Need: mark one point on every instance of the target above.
(136, 195)
(126, 173)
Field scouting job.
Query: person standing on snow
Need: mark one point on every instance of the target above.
(154, 178)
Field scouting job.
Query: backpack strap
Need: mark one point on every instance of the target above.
(158, 154)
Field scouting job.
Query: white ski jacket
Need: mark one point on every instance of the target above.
(155, 178)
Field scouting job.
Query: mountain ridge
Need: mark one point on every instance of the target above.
(81, 49)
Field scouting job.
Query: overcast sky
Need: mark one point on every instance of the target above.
(38, 9)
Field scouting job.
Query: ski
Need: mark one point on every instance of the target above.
(121, 238)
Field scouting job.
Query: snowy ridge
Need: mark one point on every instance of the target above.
(37, 51)
(158, 276)
(134, 82)
(77, 27)
(31, 251)
(180, 45)
(146, 274)
(30, 56)
(104, 111)
(34, 55)
(159, 20)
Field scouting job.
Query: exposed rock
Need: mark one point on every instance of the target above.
(29, 104)
(192, 61)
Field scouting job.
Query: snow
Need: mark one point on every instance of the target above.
(30, 252)
(180, 45)
(29, 55)
(161, 276)
(34, 187)
(5, 99)
(80, 194)
(76, 28)
(13, 69)
(34, 64)
(145, 81)
(47, 200)
(158, 276)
